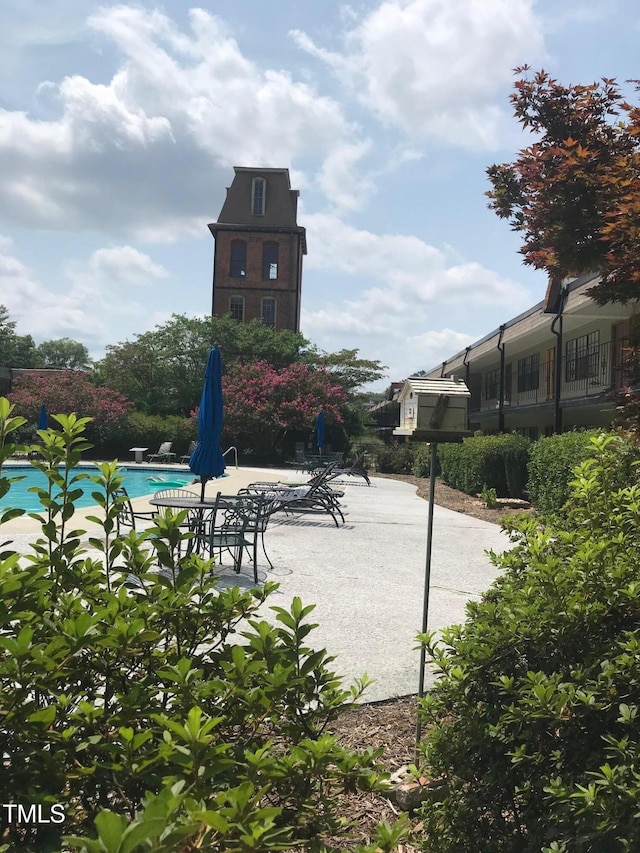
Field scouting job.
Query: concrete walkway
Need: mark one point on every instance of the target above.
(366, 577)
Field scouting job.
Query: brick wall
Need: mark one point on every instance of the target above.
(251, 286)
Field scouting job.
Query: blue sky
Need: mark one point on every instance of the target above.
(120, 126)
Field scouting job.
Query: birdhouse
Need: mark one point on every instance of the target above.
(434, 409)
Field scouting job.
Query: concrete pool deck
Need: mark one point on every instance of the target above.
(366, 577)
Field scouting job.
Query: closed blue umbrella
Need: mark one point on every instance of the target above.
(43, 418)
(207, 460)
(320, 431)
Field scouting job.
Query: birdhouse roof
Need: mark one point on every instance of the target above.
(451, 387)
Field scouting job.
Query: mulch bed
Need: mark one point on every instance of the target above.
(390, 726)
(455, 500)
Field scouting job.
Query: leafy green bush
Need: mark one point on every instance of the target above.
(489, 497)
(150, 431)
(157, 710)
(395, 458)
(516, 459)
(552, 460)
(534, 732)
(484, 460)
(422, 460)
(366, 447)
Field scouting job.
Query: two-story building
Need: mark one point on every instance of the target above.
(548, 369)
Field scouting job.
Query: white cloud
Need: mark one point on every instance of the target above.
(31, 22)
(404, 269)
(569, 17)
(430, 345)
(434, 67)
(57, 314)
(340, 179)
(412, 288)
(125, 264)
(89, 306)
(148, 153)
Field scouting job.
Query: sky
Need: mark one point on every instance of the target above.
(120, 126)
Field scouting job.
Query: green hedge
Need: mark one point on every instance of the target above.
(150, 431)
(395, 458)
(422, 460)
(496, 461)
(552, 460)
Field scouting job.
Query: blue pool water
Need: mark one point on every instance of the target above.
(136, 482)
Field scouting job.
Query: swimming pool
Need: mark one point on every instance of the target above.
(135, 480)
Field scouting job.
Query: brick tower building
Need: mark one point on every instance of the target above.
(257, 262)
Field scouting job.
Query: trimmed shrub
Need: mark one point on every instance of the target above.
(152, 430)
(395, 458)
(127, 702)
(481, 460)
(422, 460)
(515, 468)
(552, 460)
(534, 731)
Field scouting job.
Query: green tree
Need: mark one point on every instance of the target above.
(15, 350)
(351, 374)
(63, 353)
(162, 370)
(346, 369)
(573, 194)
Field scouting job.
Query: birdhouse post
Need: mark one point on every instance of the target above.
(434, 411)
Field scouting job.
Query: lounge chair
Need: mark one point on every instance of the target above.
(356, 469)
(187, 456)
(303, 463)
(321, 479)
(164, 453)
(316, 497)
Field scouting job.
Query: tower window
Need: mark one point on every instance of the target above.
(269, 311)
(236, 307)
(269, 261)
(257, 196)
(238, 262)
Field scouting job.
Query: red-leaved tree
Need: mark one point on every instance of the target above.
(262, 403)
(574, 193)
(72, 391)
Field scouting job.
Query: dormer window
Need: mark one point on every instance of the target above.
(258, 192)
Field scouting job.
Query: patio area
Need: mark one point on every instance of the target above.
(365, 577)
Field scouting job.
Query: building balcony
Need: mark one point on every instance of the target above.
(586, 375)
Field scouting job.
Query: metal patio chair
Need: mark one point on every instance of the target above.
(127, 516)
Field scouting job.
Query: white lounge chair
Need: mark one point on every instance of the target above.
(164, 453)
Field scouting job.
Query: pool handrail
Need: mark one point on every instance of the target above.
(235, 451)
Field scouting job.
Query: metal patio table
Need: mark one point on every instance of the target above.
(195, 504)
(232, 537)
